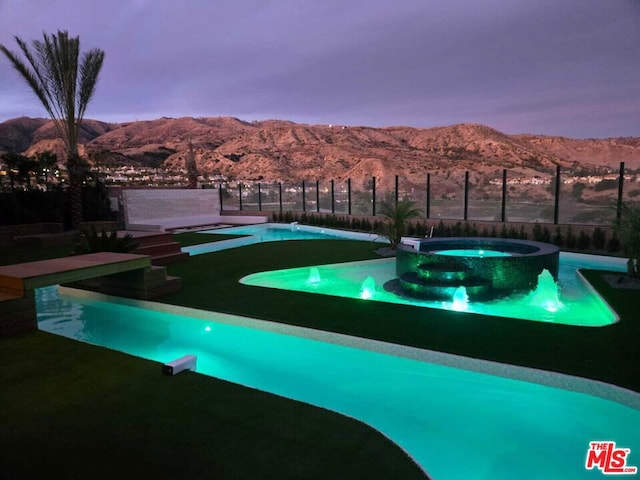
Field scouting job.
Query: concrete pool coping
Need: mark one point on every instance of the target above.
(542, 377)
(257, 279)
(252, 238)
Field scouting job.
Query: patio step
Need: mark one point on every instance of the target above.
(477, 288)
(443, 273)
(161, 247)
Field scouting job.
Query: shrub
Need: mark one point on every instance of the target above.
(584, 241)
(606, 184)
(571, 239)
(599, 238)
(537, 232)
(613, 245)
(558, 238)
(397, 217)
(627, 229)
(93, 242)
(541, 234)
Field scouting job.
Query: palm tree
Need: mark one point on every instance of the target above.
(190, 164)
(46, 161)
(397, 216)
(65, 87)
(13, 165)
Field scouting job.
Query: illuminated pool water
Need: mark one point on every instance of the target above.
(274, 232)
(463, 252)
(455, 422)
(577, 303)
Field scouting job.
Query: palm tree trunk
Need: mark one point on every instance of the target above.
(76, 176)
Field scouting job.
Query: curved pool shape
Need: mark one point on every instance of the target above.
(274, 232)
(455, 422)
(578, 304)
(482, 268)
(467, 252)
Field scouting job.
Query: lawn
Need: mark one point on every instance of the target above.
(188, 239)
(603, 353)
(79, 406)
(75, 411)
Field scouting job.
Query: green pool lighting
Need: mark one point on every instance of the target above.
(460, 301)
(570, 303)
(368, 289)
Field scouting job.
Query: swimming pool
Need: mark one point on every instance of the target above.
(455, 422)
(275, 232)
(575, 304)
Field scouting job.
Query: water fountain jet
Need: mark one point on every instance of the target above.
(460, 300)
(546, 293)
(314, 276)
(368, 288)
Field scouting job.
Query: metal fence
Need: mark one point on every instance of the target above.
(502, 196)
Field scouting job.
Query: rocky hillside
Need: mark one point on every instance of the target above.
(282, 150)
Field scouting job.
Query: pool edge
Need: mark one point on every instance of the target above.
(548, 378)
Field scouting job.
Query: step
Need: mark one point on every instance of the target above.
(154, 239)
(477, 288)
(158, 249)
(443, 273)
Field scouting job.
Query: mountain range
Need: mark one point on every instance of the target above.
(283, 150)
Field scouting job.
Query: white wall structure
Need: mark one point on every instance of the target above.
(166, 209)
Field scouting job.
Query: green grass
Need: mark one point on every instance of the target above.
(75, 411)
(604, 353)
(71, 406)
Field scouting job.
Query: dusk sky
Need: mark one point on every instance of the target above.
(555, 67)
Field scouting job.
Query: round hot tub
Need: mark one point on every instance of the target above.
(487, 268)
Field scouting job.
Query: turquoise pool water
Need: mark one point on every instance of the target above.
(571, 302)
(455, 422)
(464, 252)
(274, 232)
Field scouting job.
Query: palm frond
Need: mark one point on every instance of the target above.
(397, 215)
(51, 70)
(63, 87)
(90, 67)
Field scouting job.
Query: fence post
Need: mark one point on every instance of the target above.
(373, 196)
(280, 195)
(333, 199)
(259, 198)
(503, 211)
(220, 195)
(396, 190)
(317, 196)
(620, 190)
(556, 207)
(240, 194)
(428, 212)
(466, 194)
(349, 195)
(304, 200)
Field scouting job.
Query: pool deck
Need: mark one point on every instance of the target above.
(17, 279)
(128, 273)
